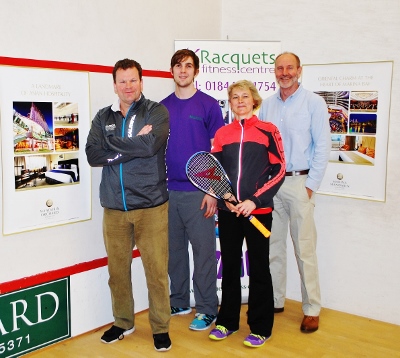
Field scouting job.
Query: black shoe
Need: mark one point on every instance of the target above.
(162, 342)
(279, 309)
(115, 334)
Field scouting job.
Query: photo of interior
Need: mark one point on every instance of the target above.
(65, 114)
(38, 171)
(348, 149)
(364, 101)
(66, 139)
(338, 106)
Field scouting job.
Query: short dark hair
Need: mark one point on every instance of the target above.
(125, 64)
(180, 55)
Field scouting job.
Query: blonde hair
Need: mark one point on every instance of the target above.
(247, 85)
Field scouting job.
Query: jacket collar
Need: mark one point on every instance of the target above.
(115, 107)
(248, 121)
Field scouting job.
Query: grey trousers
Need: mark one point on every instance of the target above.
(188, 224)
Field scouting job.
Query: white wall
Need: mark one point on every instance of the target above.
(92, 32)
(358, 244)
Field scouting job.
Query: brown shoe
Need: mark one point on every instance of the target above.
(279, 309)
(309, 324)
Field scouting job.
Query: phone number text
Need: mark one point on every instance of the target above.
(13, 344)
(262, 86)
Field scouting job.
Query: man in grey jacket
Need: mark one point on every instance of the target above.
(128, 139)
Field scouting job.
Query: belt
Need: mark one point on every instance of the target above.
(297, 172)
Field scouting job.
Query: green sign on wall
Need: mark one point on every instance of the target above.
(34, 317)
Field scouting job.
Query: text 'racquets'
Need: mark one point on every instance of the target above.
(207, 174)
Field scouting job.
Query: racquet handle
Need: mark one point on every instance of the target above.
(259, 226)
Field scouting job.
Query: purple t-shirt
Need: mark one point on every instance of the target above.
(193, 123)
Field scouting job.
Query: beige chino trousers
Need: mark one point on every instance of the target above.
(294, 210)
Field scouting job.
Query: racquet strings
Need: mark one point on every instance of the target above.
(208, 175)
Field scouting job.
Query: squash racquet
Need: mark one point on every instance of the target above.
(207, 174)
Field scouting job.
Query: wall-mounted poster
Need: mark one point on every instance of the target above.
(45, 119)
(358, 99)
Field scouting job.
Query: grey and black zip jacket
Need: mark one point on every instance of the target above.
(134, 173)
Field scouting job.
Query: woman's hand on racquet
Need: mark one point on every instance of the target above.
(244, 208)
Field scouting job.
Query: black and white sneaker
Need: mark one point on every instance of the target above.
(115, 334)
(162, 342)
(180, 310)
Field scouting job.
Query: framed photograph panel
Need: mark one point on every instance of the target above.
(45, 119)
(358, 99)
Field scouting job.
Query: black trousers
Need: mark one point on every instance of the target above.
(232, 231)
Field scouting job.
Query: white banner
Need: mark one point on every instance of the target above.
(225, 62)
(221, 64)
(45, 119)
(358, 99)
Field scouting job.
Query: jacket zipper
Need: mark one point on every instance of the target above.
(121, 171)
(240, 160)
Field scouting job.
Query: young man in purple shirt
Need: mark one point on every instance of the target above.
(194, 119)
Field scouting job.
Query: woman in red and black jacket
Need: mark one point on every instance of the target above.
(251, 153)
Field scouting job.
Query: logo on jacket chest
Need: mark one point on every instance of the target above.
(110, 127)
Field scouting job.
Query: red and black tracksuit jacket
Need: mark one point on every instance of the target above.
(251, 152)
